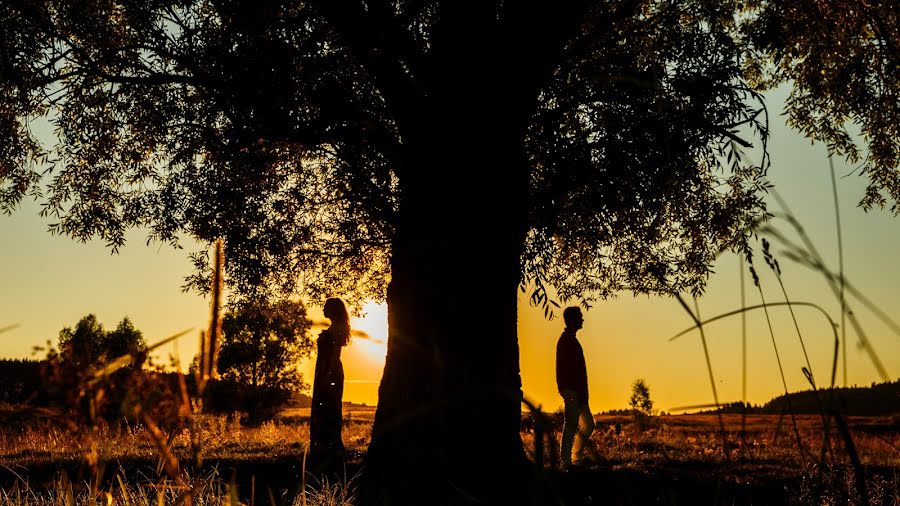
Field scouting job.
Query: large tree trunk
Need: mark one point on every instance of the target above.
(447, 426)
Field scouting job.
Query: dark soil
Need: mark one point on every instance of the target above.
(598, 485)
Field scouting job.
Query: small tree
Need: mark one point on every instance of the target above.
(262, 345)
(641, 404)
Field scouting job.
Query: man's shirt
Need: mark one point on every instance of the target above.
(571, 371)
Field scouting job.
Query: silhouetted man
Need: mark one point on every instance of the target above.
(571, 379)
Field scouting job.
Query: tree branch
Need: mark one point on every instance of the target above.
(375, 38)
(537, 35)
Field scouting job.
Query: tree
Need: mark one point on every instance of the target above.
(418, 151)
(641, 404)
(82, 347)
(125, 339)
(263, 343)
(89, 344)
(86, 349)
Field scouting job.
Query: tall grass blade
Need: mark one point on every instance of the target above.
(123, 490)
(170, 462)
(95, 377)
(712, 379)
(850, 290)
(8, 328)
(826, 427)
(215, 322)
(781, 372)
(840, 241)
(775, 304)
(303, 479)
(743, 351)
(69, 490)
(777, 270)
(696, 406)
(203, 362)
(807, 371)
(232, 491)
(168, 340)
(858, 473)
(209, 340)
(812, 253)
(753, 308)
(539, 427)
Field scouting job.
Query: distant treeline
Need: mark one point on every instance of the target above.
(25, 381)
(877, 399)
(20, 380)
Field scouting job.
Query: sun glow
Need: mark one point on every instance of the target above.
(370, 332)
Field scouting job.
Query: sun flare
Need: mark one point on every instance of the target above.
(370, 331)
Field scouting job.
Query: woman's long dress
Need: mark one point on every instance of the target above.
(328, 390)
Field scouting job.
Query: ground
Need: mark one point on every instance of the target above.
(684, 459)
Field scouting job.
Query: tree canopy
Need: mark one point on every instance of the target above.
(842, 61)
(273, 127)
(280, 127)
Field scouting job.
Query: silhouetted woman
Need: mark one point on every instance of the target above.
(328, 384)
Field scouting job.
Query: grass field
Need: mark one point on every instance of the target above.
(758, 457)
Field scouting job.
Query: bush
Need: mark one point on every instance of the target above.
(20, 381)
(259, 403)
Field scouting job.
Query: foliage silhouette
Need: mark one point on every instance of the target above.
(96, 374)
(88, 344)
(641, 404)
(361, 147)
(263, 342)
(21, 381)
(877, 399)
(262, 345)
(842, 65)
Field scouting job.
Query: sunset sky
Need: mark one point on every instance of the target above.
(51, 282)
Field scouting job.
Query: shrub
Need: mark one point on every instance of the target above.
(258, 403)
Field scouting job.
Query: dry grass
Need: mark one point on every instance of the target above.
(210, 489)
(688, 440)
(224, 437)
(672, 440)
(689, 444)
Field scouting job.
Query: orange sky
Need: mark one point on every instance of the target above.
(50, 282)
